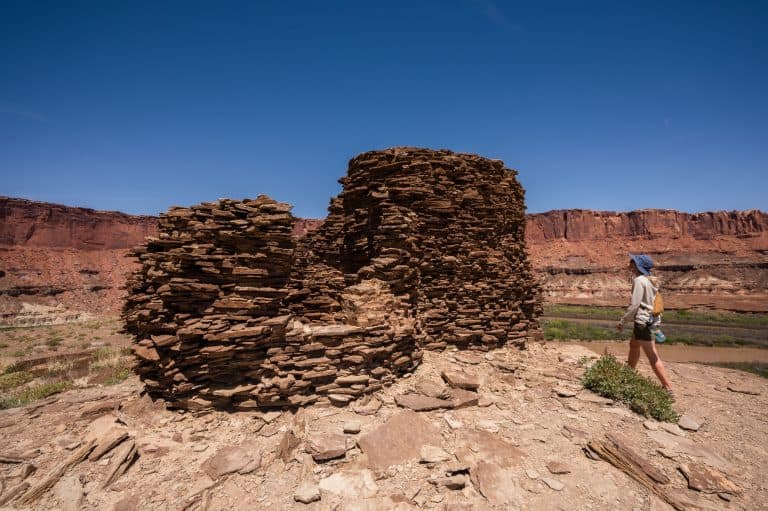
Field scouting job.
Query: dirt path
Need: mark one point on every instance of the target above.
(517, 444)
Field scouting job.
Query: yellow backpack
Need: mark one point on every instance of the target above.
(658, 304)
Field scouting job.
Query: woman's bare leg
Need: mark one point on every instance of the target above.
(656, 364)
(634, 353)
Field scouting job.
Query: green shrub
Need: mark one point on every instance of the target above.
(614, 380)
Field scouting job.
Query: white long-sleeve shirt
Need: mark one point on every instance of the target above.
(641, 304)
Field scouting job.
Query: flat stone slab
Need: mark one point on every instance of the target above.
(433, 454)
(351, 484)
(369, 407)
(421, 403)
(461, 398)
(590, 397)
(228, 460)
(672, 428)
(432, 388)
(462, 380)
(351, 427)
(681, 445)
(335, 330)
(707, 479)
(398, 440)
(307, 492)
(477, 446)
(565, 391)
(326, 446)
(744, 389)
(553, 483)
(496, 484)
(689, 422)
(558, 467)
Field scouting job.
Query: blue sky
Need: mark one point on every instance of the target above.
(137, 106)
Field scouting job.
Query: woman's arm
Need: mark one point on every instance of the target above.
(634, 302)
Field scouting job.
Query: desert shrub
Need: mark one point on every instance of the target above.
(32, 394)
(614, 380)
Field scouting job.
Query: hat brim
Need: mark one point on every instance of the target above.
(639, 267)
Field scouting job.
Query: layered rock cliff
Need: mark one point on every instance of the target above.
(60, 256)
(25, 223)
(57, 262)
(713, 259)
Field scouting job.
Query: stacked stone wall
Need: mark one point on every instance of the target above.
(421, 250)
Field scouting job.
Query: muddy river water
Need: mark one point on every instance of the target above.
(683, 353)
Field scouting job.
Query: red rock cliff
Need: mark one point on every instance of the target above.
(58, 255)
(25, 223)
(715, 259)
(582, 225)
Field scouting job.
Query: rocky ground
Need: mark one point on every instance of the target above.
(510, 434)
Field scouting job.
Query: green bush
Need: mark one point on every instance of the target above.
(614, 380)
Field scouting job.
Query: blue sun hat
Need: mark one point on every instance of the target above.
(643, 263)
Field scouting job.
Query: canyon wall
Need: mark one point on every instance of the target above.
(59, 262)
(714, 259)
(25, 223)
(586, 225)
(74, 258)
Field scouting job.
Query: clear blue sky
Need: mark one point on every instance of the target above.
(136, 106)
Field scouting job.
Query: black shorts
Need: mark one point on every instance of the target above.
(642, 333)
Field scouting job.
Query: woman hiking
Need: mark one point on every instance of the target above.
(640, 310)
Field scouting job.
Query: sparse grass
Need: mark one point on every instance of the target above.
(13, 368)
(614, 380)
(111, 360)
(758, 368)
(725, 318)
(32, 394)
(561, 329)
(15, 379)
(707, 340)
(565, 330)
(118, 377)
(59, 367)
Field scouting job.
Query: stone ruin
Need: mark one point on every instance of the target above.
(421, 250)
